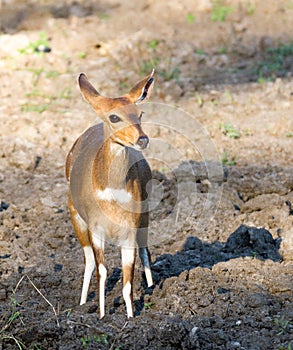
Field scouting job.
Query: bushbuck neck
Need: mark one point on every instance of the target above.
(114, 160)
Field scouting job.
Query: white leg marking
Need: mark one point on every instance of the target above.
(103, 277)
(88, 270)
(126, 295)
(127, 255)
(148, 275)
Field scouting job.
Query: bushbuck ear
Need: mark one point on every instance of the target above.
(142, 90)
(87, 89)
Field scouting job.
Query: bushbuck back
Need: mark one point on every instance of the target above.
(109, 183)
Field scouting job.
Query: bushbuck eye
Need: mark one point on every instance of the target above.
(114, 118)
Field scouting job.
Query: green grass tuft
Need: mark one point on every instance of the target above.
(220, 11)
(274, 62)
(229, 130)
(227, 159)
(34, 46)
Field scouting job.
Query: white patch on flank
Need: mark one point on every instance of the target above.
(103, 277)
(126, 295)
(148, 275)
(80, 222)
(111, 194)
(88, 270)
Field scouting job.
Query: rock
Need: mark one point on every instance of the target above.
(265, 43)
(48, 202)
(10, 19)
(256, 300)
(3, 206)
(199, 171)
(286, 247)
(262, 201)
(252, 181)
(239, 239)
(60, 11)
(192, 243)
(79, 10)
(253, 241)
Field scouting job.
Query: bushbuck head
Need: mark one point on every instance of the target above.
(121, 115)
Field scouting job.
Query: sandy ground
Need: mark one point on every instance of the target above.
(221, 129)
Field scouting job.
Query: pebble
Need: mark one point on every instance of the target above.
(194, 330)
(2, 294)
(47, 202)
(43, 48)
(256, 300)
(3, 206)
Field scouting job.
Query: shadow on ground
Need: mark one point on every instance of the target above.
(246, 241)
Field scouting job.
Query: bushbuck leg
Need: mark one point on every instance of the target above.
(144, 254)
(82, 233)
(98, 246)
(128, 254)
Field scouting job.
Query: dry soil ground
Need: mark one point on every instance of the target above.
(221, 238)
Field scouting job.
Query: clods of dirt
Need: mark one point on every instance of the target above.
(220, 125)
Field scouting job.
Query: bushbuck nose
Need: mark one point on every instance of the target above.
(142, 142)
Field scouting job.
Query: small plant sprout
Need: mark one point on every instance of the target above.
(101, 339)
(104, 16)
(36, 74)
(222, 51)
(199, 100)
(52, 74)
(250, 8)
(262, 80)
(190, 18)
(229, 96)
(227, 159)
(66, 93)
(148, 305)
(220, 11)
(274, 62)
(40, 46)
(34, 108)
(82, 55)
(200, 52)
(153, 44)
(85, 341)
(282, 324)
(229, 130)
(148, 65)
(8, 322)
(170, 73)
